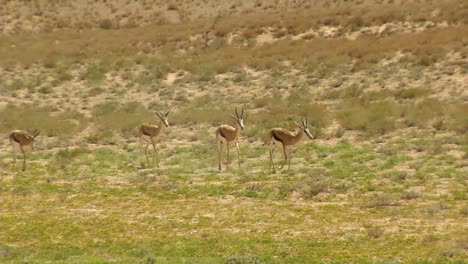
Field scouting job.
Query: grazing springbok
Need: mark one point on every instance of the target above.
(287, 138)
(21, 139)
(229, 134)
(153, 132)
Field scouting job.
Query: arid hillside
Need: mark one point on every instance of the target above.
(383, 83)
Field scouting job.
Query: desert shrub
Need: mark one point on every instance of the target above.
(122, 117)
(95, 91)
(94, 73)
(64, 157)
(205, 71)
(106, 23)
(14, 85)
(371, 117)
(106, 137)
(48, 122)
(410, 195)
(243, 259)
(422, 113)
(46, 90)
(412, 93)
(63, 76)
(458, 117)
(214, 115)
(312, 185)
(379, 200)
(374, 232)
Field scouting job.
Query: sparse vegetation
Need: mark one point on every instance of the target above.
(124, 118)
(383, 181)
(42, 118)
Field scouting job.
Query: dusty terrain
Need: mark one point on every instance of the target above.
(383, 83)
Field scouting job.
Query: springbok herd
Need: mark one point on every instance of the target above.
(225, 134)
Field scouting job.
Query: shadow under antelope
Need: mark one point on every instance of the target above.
(21, 139)
(227, 133)
(286, 138)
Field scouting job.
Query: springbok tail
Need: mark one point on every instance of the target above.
(268, 138)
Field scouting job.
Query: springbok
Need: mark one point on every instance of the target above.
(153, 132)
(287, 138)
(229, 134)
(22, 139)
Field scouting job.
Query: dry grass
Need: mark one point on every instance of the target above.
(121, 117)
(69, 47)
(45, 119)
(294, 18)
(373, 118)
(390, 148)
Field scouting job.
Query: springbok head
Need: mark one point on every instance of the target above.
(239, 117)
(163, 117)
(303, 126)
(33, 134)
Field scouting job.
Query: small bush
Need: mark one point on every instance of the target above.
(63, 158)
(106, 23)
(422, 113)
(46, 90)
(410, 195)
(242, 260)
(123, 117)
(44, 119)
(374, 232)
(213, 115)
(95, 91)
(380, 200)
(373, 118)
(412, 93)
(458, 117)
(172, 6)
(94, 73)
(312, 186)
(63, 76)
(15, 85)
(106, 137)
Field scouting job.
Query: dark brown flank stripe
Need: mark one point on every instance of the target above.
(276, 137)
(221, 133)
(15, 139)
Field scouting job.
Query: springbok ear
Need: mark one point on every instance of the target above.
(167, 113)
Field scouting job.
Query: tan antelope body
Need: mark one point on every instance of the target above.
(21, 139)
(228, 134)
(153, 132)
(286, 138)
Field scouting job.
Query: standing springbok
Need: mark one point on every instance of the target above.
(229, 134)
(153, 132)
(287, 138)
(21, 139)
